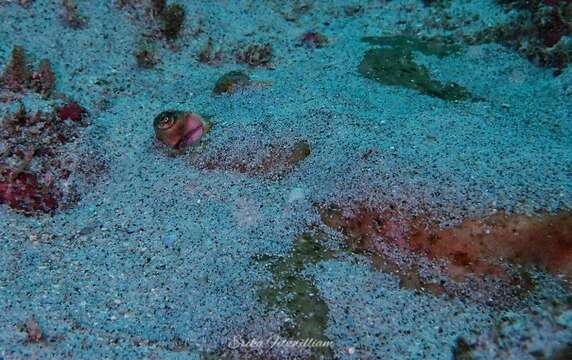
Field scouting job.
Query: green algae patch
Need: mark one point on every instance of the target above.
(438, 46)
(393, 64)
(297, 295)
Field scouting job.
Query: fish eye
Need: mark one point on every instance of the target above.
(166, 122)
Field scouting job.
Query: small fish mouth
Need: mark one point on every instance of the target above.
(192, 135)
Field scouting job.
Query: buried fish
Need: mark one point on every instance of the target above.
(179, 129)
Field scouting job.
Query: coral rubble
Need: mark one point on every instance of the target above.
(172, 20)
(71, 15)
(255, 54)
(34, 168)
(210, 54)
(540, 31)
(231, 82)
(43, 80)
(313, 40)
(19, 75)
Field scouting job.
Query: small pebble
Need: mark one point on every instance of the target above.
(169, 239)
(296, 194)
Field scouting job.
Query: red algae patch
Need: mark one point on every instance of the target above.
(72, 111)
(364, 230)
(25, 193)
(541, 240)
(482, 247)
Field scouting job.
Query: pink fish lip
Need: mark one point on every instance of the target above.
(194, 131)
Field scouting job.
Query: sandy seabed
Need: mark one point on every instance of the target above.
(230, 248)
